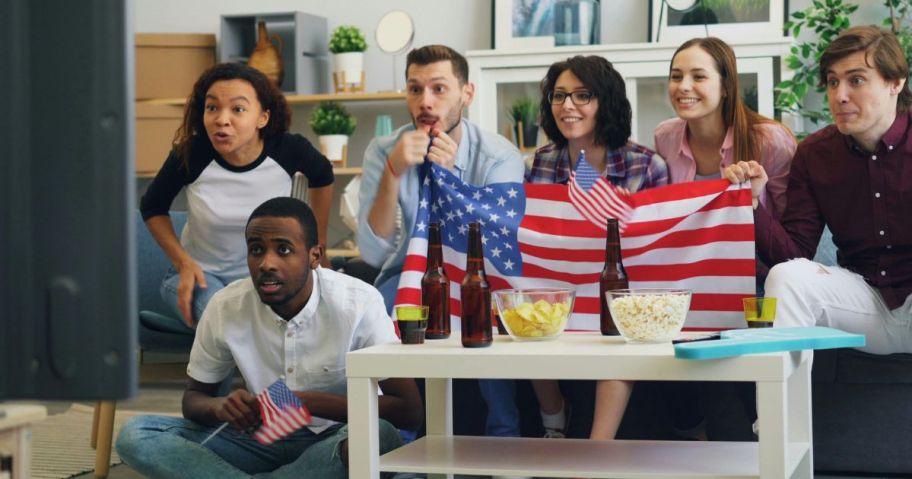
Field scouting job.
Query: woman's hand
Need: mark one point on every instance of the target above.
(748, 171)
(191, 275)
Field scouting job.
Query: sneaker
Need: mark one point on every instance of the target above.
(551, 433)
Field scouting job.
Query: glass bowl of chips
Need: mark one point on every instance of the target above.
(534, 314)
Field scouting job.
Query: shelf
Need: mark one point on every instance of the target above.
(582, 457)
(348, 171)
(345, 253)
(304, 99)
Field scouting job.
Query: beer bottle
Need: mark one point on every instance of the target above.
(475, 294)
(612, 277)
(435, 287)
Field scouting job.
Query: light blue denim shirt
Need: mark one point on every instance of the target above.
(482, 158)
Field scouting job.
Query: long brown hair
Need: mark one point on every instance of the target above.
(735, 114)
(192, 129)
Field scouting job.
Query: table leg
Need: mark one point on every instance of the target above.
(771, 412)
(800, 427)
(438, 394)
(439, 411)
(105, 437)
(363, 429)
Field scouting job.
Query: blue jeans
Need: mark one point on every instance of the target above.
(201, 297)
(503, 415)
(161, 446)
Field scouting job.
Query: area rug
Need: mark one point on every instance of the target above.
(60, 443)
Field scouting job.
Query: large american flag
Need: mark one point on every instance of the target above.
(698, 236)
(281, 412)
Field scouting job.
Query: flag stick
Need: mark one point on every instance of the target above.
(214, 433)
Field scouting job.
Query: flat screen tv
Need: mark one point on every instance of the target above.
(67, 295)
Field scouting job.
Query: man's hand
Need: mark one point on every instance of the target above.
(240, 409)
(409, 151)
(443, 149)
(748, 170)
(190, 275)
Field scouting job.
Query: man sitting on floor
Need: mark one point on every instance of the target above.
(290, 319)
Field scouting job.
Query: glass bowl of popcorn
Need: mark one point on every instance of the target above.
(648, 315)
(534, 314)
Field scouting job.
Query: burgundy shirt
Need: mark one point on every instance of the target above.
(866, 200)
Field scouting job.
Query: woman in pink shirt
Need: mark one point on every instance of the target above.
(714, 127)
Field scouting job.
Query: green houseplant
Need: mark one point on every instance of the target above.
(347, 45)
(331, 118)
(524, 115)
(333, 124)
(827, 18)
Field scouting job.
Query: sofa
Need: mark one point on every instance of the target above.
(862, 418)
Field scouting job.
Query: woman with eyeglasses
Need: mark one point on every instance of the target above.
(584, 107)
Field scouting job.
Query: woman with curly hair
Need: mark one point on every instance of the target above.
(584, 108)
(232, 152)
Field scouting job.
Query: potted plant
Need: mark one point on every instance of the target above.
(524, 114)
(347, 45)
(333, 124)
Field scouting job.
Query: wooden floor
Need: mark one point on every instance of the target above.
(163, 394)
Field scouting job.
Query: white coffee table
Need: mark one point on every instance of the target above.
(784, 409)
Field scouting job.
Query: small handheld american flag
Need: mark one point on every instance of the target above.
(281, 411)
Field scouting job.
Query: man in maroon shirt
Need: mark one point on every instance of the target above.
(855, 177)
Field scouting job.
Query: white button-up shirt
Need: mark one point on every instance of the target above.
(237, 329)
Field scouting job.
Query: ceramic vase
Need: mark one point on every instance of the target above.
(267, 56)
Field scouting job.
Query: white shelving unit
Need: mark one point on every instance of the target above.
(783, 388)
(503, 75)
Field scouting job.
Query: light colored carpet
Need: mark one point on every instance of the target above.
(60, 443)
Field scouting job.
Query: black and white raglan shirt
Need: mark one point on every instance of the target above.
(220, 197)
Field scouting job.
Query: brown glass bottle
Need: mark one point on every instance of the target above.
(435, 287)
(612, 277)
(475, 294)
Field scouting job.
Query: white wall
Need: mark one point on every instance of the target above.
(461, 24)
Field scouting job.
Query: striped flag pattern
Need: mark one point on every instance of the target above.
(281, 413)
(697, 236)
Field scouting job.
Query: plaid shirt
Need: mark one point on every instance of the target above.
(631, 166)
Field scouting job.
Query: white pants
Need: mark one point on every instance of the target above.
(810, 294)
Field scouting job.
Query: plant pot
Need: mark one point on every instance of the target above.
(334, 148)
(528, 137)
(348, 70)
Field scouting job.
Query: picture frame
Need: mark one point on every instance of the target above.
(519, 24)
(730, 20)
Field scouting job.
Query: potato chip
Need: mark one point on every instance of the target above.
(537, 319)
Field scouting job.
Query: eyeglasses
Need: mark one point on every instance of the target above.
(577, 97)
